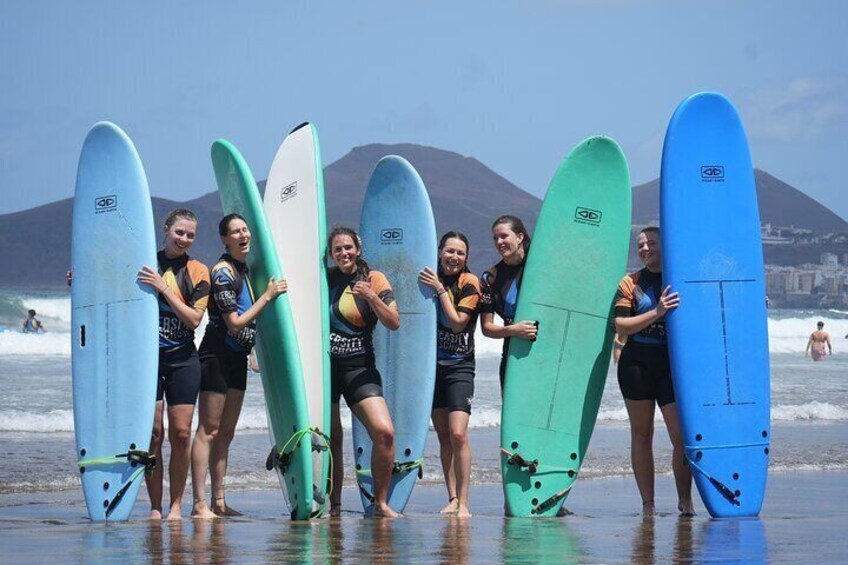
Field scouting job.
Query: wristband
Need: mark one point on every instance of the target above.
(439, 292)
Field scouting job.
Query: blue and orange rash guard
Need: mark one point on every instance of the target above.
(499, 288)
(352, 320)
(464, 293)
(231, 292)
(188, 279)
(638, 293)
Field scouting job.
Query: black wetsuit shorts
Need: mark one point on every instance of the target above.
(644, 373)
(454, 386)
(179, 375)
(223, 370)
(355, 380)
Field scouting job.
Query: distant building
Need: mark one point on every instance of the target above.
(829, 259)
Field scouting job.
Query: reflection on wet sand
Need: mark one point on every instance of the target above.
(736, 540)
(643, 545)
(540, 540)
(455, 538)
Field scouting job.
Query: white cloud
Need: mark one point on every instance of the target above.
(800, 110)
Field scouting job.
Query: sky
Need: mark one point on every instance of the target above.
(513, 84)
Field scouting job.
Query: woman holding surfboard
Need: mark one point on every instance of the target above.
(457, 292)
(644, 373)
(499, 286)
(182, 286)
(228, 340)
(359, 298)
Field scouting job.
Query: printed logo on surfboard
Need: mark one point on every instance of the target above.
(712, 173)
(288, 191)
(391, 236)
(588, 216)
(103, 204)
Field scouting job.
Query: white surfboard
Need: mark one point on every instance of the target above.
(294, 206)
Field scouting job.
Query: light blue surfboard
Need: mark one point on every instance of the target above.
(399, 239)
(114, 320)
(718, 336)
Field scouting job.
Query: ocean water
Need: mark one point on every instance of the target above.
(809, 406)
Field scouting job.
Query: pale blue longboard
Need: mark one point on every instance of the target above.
(718, 336)
(114, 321)
(553, 386)
(399, 239)
(279, 357)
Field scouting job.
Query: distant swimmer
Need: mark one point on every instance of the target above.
(32, 325)
(819, 339)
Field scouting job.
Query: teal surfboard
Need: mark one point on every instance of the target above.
(554, 385)
(279, 358)
(114, 321)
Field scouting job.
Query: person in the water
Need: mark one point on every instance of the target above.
(818, 346)
(32, 325)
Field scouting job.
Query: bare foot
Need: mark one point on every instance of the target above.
(648, 508)
(463, 512)
(687, 509)
(219, 507)
(382, 510)
(452, 506)
(155, 514)
(175, 512)
(202, 512)
(335, 509)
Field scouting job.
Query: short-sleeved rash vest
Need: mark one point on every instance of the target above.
(188, 280)
(499, 288)
(231, 292)
(464, 293)
(352, 320)
(638, 293)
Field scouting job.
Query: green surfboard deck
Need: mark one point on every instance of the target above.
(279, 358)
(554, 385)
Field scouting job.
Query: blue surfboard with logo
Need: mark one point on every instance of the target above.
(114, 321)
(399, 239)
(718, 336)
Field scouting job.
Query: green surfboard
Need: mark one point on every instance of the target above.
(554, 385)
(279, 357)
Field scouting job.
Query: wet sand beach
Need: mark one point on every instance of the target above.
(803, 519)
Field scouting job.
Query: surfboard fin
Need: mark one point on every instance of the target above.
(518, 460)
(549, 503)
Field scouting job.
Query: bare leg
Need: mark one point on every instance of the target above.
(221, 451)
(336, 445)
(374, 415)
(153, 480)
(458, 421)
(641, 414)
(179, 436)
(682, 473)
(210, 408)
(440, 423)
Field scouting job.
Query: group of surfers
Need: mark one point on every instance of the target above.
(215, 376)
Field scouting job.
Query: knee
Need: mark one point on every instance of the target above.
(642, 437)
(179, 435)
(155, 439)
(458, 438)
(384, 435)
(223, 436)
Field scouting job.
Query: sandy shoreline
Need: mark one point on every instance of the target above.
(803, 510)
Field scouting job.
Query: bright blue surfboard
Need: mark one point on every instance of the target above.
(399, 239)
(718, 336)
(114, 320)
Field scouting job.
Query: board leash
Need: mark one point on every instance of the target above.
(135, 457)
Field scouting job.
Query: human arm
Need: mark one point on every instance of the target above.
(236, 322)
(191, 316)
(523, 330)
(386, 313)
(629, 325)
(456, 319)
(809, 345)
